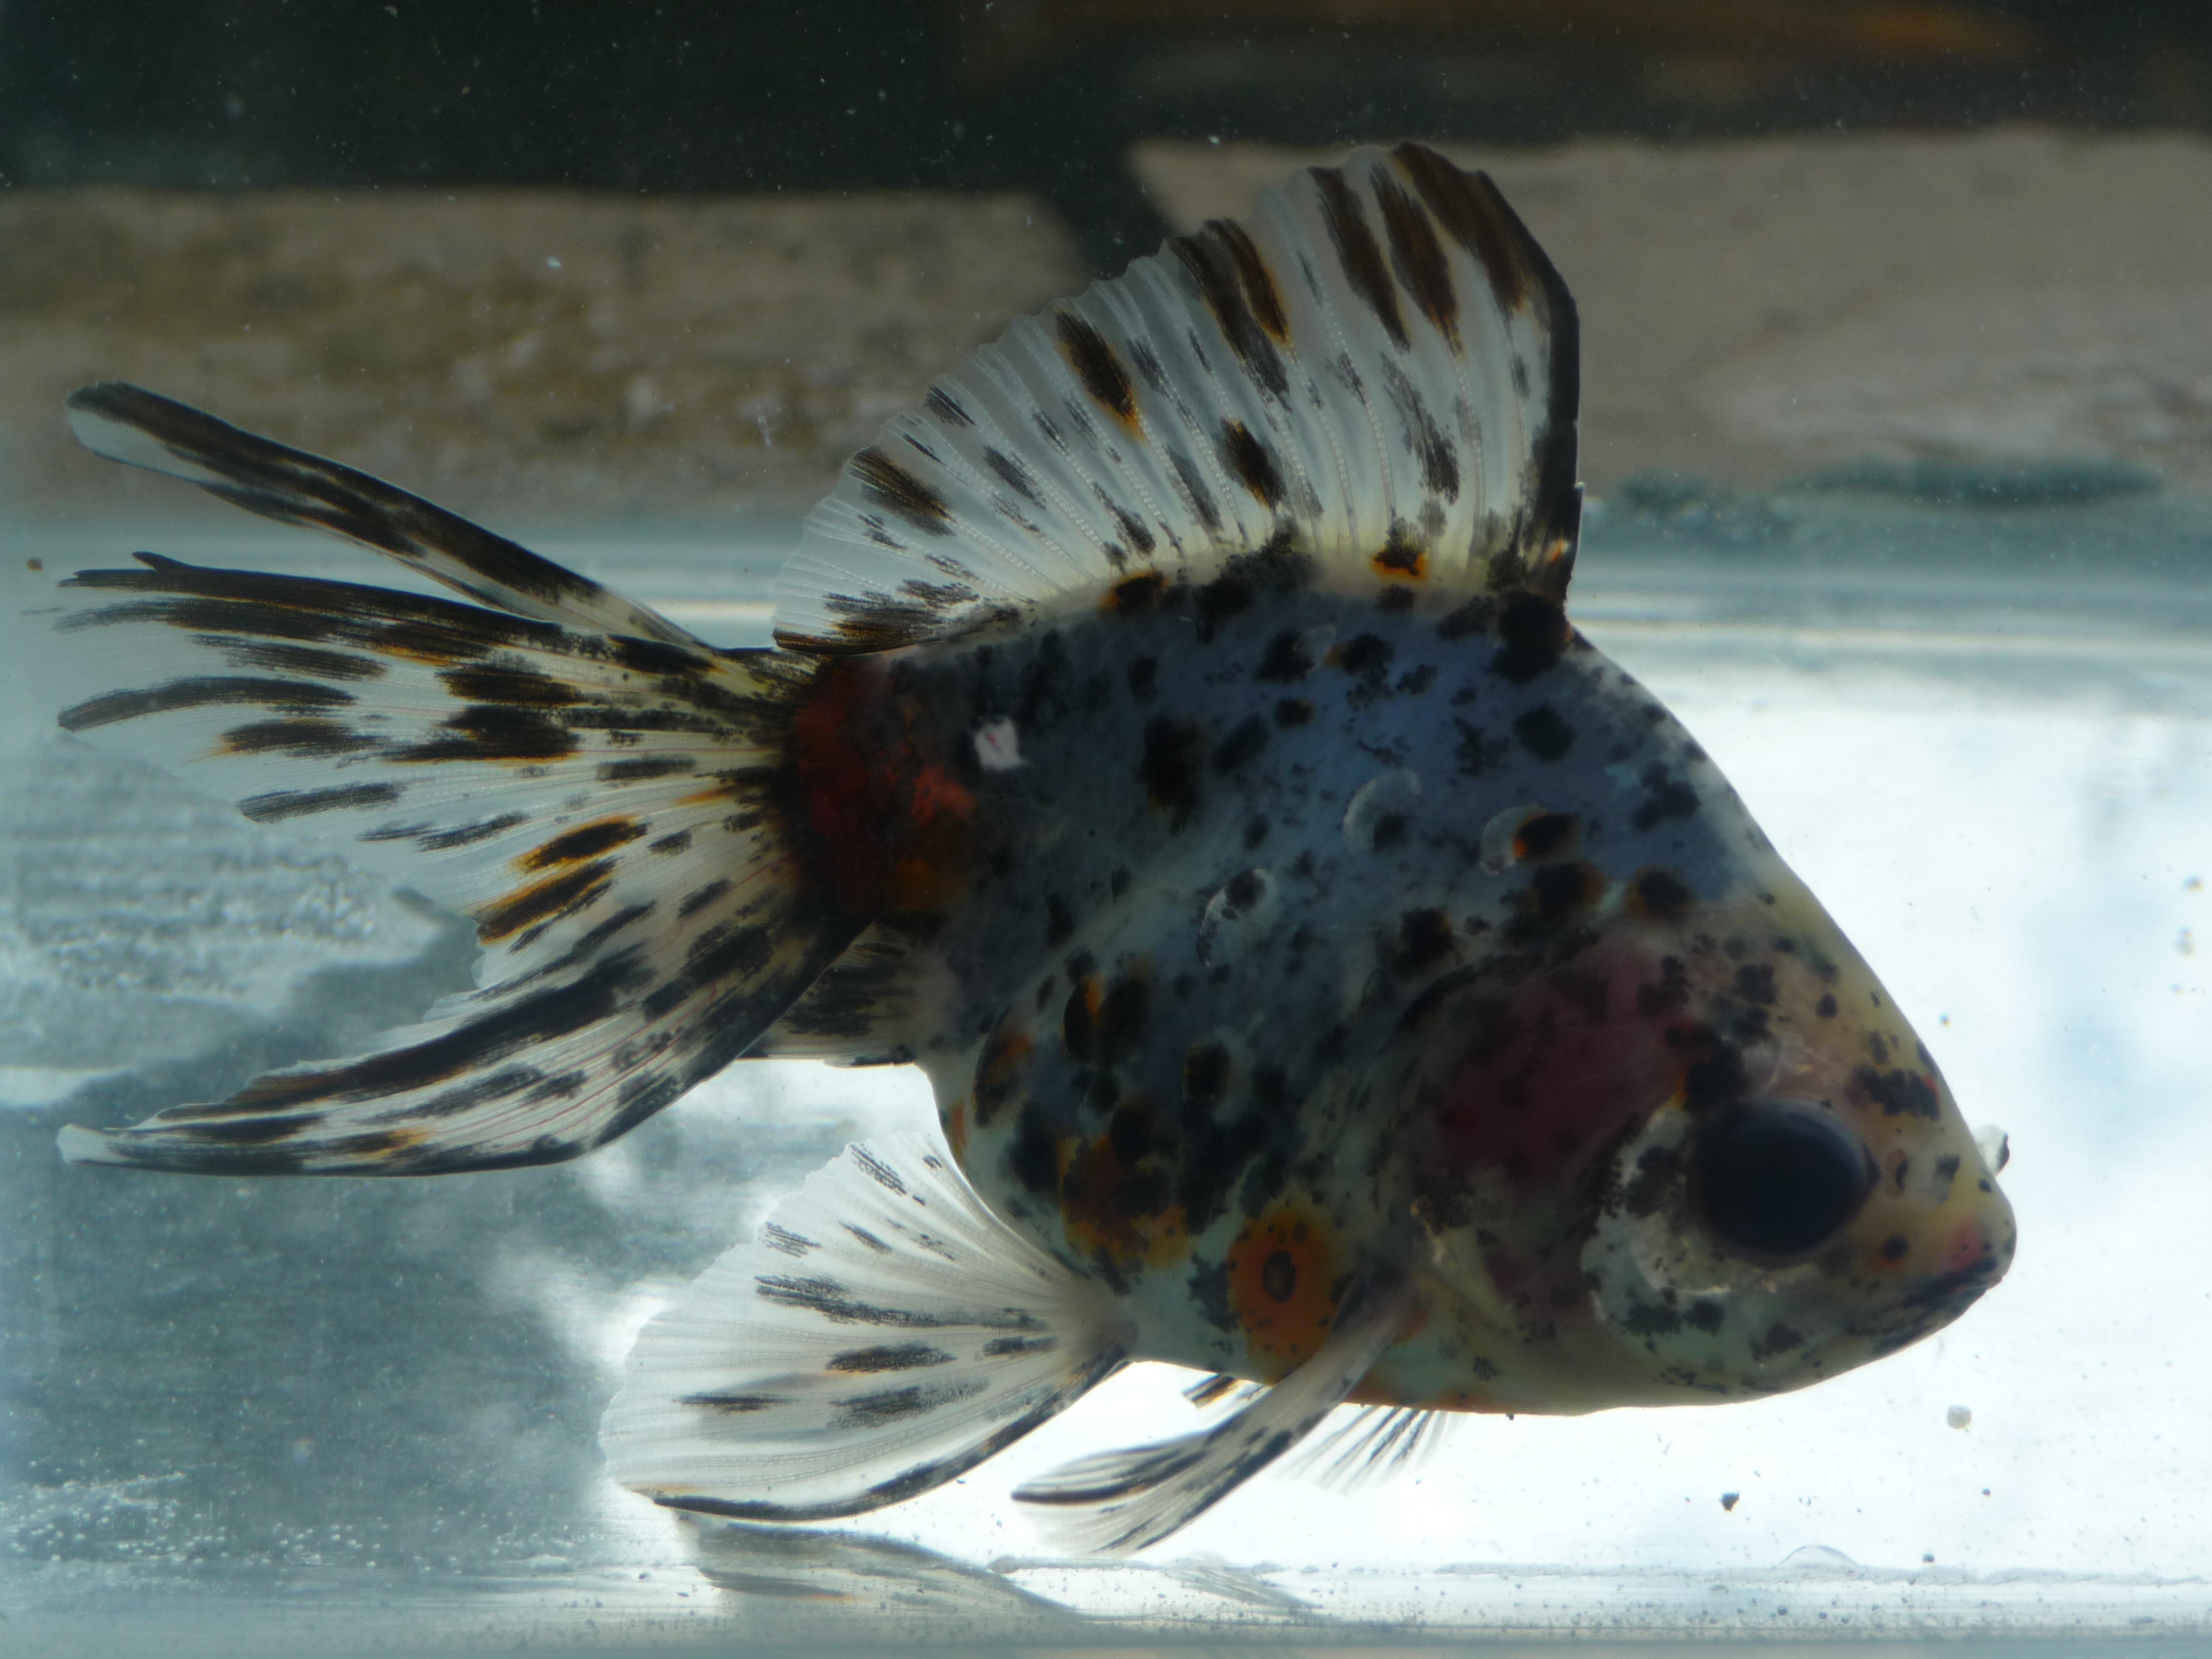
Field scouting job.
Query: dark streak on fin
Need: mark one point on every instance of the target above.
(1356, 251)
(141, 428)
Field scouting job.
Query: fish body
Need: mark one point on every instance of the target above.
(1383, 939)
(1332, 971)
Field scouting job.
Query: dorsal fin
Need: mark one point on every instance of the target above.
(1377, 371)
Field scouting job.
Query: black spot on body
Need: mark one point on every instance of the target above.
(1279, 1276)
(1533, 634)
(1558, 892)
(1477, 754)
(1204, 1077)
(1754, 983)
(1293, 712)
(1546, 834)
(1899, 1093)
(1661, 894)
(1078, 1023)
(1034, 1157)
(1123, 1018)
(1665, 797)
(1670, 992)
(1425, 939)
(1230, 594)
(1544, 733)
(1244, 743)
(1139, 594)
(1286, 658)
(1366, 656)
(1174, 753)
(1715, 1075)
(1129, 1132)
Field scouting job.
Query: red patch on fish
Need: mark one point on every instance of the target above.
(892, 819)
(1552, 1073)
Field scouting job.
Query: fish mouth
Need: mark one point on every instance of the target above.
(1936, 1302)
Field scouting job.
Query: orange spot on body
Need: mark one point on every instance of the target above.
(1402, 560)
(1114, 1195)
(1283, 1286)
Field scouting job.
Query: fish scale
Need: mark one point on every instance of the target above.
(1332, 971)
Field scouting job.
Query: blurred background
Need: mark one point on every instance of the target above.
(553, 256)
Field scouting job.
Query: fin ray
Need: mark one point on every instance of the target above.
(142, 428)
(884, 1333)
(602, 807)
(1116, 1502)
(1377, 372)
(1374, 1445)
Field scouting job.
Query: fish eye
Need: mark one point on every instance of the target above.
(1777, 1178)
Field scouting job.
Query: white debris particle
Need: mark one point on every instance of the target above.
(998, 746)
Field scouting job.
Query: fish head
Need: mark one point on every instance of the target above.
(1691, 1158)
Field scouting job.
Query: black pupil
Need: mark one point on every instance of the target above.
(1776, 1178)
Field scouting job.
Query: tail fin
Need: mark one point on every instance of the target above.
(884, 1334)
(139, 428)
(599, 790)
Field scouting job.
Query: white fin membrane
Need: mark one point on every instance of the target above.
(600, 803)
(884, 1333)
(1377, 372)
(1117, 1503)
(1371, 1445)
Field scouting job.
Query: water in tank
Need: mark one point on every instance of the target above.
(1470, 915)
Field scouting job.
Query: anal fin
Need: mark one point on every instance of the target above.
(884, 1333)
(1116, 1502)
